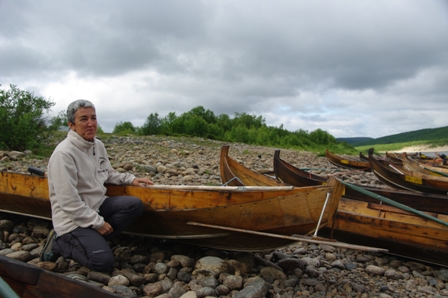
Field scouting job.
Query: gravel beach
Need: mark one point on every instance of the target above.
(146, 267)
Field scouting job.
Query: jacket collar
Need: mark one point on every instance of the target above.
(79, 141)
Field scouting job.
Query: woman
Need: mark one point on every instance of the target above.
(83, 217)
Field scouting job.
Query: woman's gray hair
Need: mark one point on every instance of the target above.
(74, 106)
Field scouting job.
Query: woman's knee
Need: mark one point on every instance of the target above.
(102, 262)
(138, 205)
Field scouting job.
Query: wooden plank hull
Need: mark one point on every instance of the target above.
(292, 175)
(407, 180)
(282, 209)
(230, 170)
(387, 227)
(34, 282)
(360, 219)
(362, 157)
(393, 158)
(424, 168)
(347, 163)
(228, 166)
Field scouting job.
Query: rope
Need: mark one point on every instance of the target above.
(395, 204)
(234, 178)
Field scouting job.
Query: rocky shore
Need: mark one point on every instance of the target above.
(155, 268)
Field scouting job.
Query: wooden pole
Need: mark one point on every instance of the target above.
(322, 214)
(337, 244)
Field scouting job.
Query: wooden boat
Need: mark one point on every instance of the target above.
(396, 158)
(393, 158)
(408, 180)
(234, 173)
(25, 280)
(169, 210)
(228, 166)
(347, 163)
(292, 175)
(373, 223)
(362, 157)
(427, 202)
(401, 232)
(425, 168)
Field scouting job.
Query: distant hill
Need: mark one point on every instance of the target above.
(411, 136)
(354, 140)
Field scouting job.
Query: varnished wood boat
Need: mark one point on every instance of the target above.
(363, 157)
(292, 175)
(425, 168)
(408, 180)
(283, 210)
(234, 173)
(396, 158)
(347, 163)
(25, 280)
(228, 166)
(393, 158)
(401, 232)
(373, 223)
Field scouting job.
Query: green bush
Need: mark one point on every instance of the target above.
(124, 128)
(22, 122)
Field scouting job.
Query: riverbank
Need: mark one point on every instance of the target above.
(422, 148)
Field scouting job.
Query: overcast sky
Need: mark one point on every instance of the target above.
(352, 68)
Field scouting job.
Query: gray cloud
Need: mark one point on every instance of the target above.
(351, 68)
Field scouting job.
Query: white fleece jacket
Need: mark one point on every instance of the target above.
(77, 172)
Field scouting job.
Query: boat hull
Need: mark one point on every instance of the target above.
(292, 175)
(408, 180)
(285, 210)
(347, 163)
(34, 282)
(400, 232)
(362, 219)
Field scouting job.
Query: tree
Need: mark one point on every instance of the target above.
(196, 126)
(322, 137)
(248, 120)
(124, 128)
(152, 125)
(201, 112)
(166, 124)
(59, 120)
(22, 122)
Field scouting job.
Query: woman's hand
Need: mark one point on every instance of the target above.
(142, 182)
(106, 229)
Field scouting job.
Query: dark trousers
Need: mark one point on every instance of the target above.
(88, 247)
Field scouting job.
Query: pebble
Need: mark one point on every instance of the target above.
(147, 267)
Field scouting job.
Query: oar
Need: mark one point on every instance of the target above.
(6, 291)
(329, 242)
(434, 171)
(395, 204)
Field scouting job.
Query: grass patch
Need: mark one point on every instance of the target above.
(399, 146)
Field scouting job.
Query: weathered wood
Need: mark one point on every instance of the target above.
(427, 169)
(391, 224)
(34, 282)
(292, 175)
(362, 219)
(347, 163)
(408, 180)
(297, 239)
(231, 169)
(281, 209)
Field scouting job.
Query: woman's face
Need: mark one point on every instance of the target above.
(85, 123)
